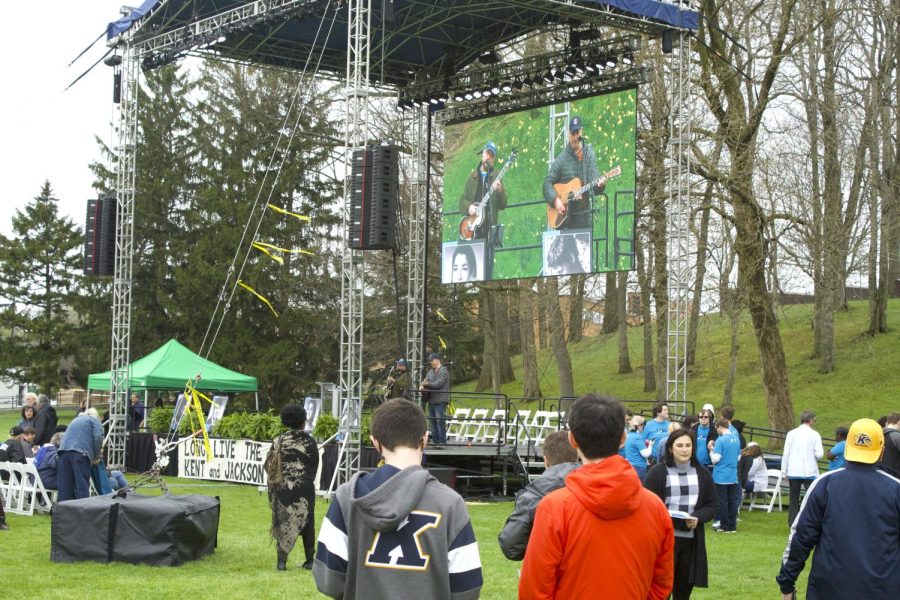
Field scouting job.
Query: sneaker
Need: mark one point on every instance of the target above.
(717, 525)
(3, 526)
(307, 565)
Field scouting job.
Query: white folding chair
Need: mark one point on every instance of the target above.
(474, 425)
(5, 481)
(541, 425)
(774, 490)
(33, 489)
(494, 428)
(455, 425)
(15, 498)
(516, 426)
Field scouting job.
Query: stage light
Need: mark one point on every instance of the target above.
(495, 87)
(611, 62)
(628, 59)
(477, 93)
(469, 95)
(459, 96)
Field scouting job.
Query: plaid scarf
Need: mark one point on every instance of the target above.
(682, 493)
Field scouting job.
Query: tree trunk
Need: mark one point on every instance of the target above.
(543, 326)
(734, 317)
(502, 335)
(646, 316)
(558, 338)
(486, 312)
(750, 248)
(576, 307)
(531, 385)
(697, 294)
(610, 313)
(622, 296)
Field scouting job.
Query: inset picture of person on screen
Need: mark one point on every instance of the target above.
(567, 254)
(462, 263)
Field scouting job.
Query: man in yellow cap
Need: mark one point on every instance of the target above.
(851, 516)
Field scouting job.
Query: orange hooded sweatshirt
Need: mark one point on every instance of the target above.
(601, 536)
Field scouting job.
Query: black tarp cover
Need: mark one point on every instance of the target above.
(153, 530)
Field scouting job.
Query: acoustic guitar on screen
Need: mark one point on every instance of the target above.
(571, 190)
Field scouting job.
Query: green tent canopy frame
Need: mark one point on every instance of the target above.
(170, 366)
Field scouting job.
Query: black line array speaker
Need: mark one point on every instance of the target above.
(100, 236)
(374, 191)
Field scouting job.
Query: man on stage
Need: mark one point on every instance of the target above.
(577, 160)
(437, 386)
(399, 382)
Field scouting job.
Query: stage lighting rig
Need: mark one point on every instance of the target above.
(589, 64)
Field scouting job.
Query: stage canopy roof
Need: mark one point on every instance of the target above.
(170, 366)
(408, 37)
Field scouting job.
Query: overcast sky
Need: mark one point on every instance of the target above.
(48, 133)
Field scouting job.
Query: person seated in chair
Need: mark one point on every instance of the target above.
(11, 450)
(46, 461)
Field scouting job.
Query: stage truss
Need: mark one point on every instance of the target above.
(424, 50)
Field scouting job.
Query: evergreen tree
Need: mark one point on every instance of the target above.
(38, 279)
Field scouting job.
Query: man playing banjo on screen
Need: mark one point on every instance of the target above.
(478, 183)
(571, 177)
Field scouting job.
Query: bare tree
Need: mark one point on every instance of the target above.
(738, 107)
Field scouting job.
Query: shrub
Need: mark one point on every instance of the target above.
(326, 426)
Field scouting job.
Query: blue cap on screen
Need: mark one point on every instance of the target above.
(434, 356)
(401, 362)
(575, 124)
(490, 147)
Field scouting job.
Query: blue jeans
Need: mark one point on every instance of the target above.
(73, 476)
(437, 415)
(117, 480)
(729, 501)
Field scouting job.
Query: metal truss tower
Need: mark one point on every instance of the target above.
(679, 251)
(126, 154)
(359, 14)
(418, 231)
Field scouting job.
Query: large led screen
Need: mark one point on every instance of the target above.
(540, 192)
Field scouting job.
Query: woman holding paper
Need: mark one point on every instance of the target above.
(687, 490)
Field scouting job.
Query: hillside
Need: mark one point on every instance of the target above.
(866, 381)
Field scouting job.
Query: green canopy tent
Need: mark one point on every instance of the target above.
(170, 366)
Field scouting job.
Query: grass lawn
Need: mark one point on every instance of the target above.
(243, 566)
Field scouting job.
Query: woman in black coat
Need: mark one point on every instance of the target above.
(685, 486)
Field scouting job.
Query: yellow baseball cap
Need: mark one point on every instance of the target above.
(865, 441)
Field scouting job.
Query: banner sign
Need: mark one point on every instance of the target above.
(238, 461)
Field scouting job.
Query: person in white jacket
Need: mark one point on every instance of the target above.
(757, 474)
(802, 450)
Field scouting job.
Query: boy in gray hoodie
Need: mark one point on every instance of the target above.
(397, 532)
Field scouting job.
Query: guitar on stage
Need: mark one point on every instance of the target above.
(470, 223)
(572, 190)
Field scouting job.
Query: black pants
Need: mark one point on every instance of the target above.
(308, 533)
(794, 506)
(684, 551)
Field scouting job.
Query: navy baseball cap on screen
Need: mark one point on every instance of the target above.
(490, 147)
(575, 124)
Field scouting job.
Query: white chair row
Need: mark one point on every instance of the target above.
(22, 489)
(473, 425)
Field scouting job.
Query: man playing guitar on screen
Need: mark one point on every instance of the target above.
(478, 183)
(572, 177)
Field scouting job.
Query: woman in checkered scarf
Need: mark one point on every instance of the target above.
(688, 491)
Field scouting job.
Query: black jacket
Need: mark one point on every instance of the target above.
(707, 506)
(891, 458)
(514, 536)
(14, 451)
(45, 425)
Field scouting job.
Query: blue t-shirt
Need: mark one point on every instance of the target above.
(838, 453)
(702, 451)
(633, 446)
(725, 471)
(659, 448)
(653, 430)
